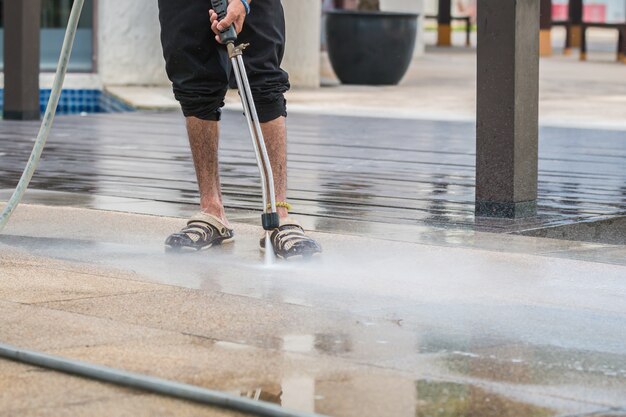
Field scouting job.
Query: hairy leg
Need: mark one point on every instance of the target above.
(204, 140)
(275, 134)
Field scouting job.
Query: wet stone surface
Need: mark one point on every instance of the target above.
(372, 328)
(446, 399)
(385, 170)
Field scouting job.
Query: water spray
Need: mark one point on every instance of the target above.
(269, 218)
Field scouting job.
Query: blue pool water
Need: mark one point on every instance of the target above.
(80, 101)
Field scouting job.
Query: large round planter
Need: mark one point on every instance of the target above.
(372, 48)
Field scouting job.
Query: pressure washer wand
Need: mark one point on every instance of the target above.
(269, 219)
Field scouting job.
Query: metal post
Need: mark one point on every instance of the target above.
(444, 23)
(621, 45)
(545, 25)
(583, 43)
(575, 11)
(21, 59)
(507, 108)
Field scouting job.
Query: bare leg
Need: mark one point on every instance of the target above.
(204, 140)
(275, 135)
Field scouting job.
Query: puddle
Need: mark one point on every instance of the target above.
(540, 365)
(446, 399)
(268, 393)
(607, 230)
(349, 395)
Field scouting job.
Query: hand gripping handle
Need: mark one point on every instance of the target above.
(228, 35)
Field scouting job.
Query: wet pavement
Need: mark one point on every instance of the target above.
(415, 309)
(372, 328)
(389, 171)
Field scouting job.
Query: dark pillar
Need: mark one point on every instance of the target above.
(575, 11)
(21, 59)
(583, 43)
(444, 23)
(545, 28)
(621, 45)
(507, 108)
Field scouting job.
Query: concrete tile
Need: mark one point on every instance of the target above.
(590, 377)
(338, 391)
(190, 359)
(43, 281)
(606, 254)
(34, 327)
(366, 321)
(89, 225)
(132, 406)
(25, 387)
(218, 316)
(28, 391)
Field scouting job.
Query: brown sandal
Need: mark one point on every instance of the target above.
(203, 231)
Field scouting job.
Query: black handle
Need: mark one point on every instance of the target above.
(228, 35)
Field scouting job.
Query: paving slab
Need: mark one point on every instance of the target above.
(374, 327)
(441, 85)
(32, 281)
(29, 391)
(38, 328)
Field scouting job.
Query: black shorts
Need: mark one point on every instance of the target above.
(199, 67)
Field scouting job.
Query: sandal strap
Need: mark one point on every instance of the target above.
(288, 235)
(210, 220)
(197, 230)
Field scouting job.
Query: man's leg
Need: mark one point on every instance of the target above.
(198, 68)
(204, 141)
(264, 29)
(275, 134)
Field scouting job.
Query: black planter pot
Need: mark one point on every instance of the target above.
(372, 48)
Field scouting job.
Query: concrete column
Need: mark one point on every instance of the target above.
(303, 19)
(444, 23)
(575, 12)
(129, 47)
(507, 108)
(21, 59)
(409, 6)
(545, 25)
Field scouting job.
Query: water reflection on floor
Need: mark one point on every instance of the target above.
(440, 331)
(367, 169)
(421, 398)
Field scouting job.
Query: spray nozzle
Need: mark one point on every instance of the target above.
(270, 221)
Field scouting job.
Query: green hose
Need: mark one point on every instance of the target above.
(48, 117)
(149, 383)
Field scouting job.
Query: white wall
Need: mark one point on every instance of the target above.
(129, 48)
(412, 6)
(302, 52)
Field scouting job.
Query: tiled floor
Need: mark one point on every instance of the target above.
(359, 169)
(372, 328)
